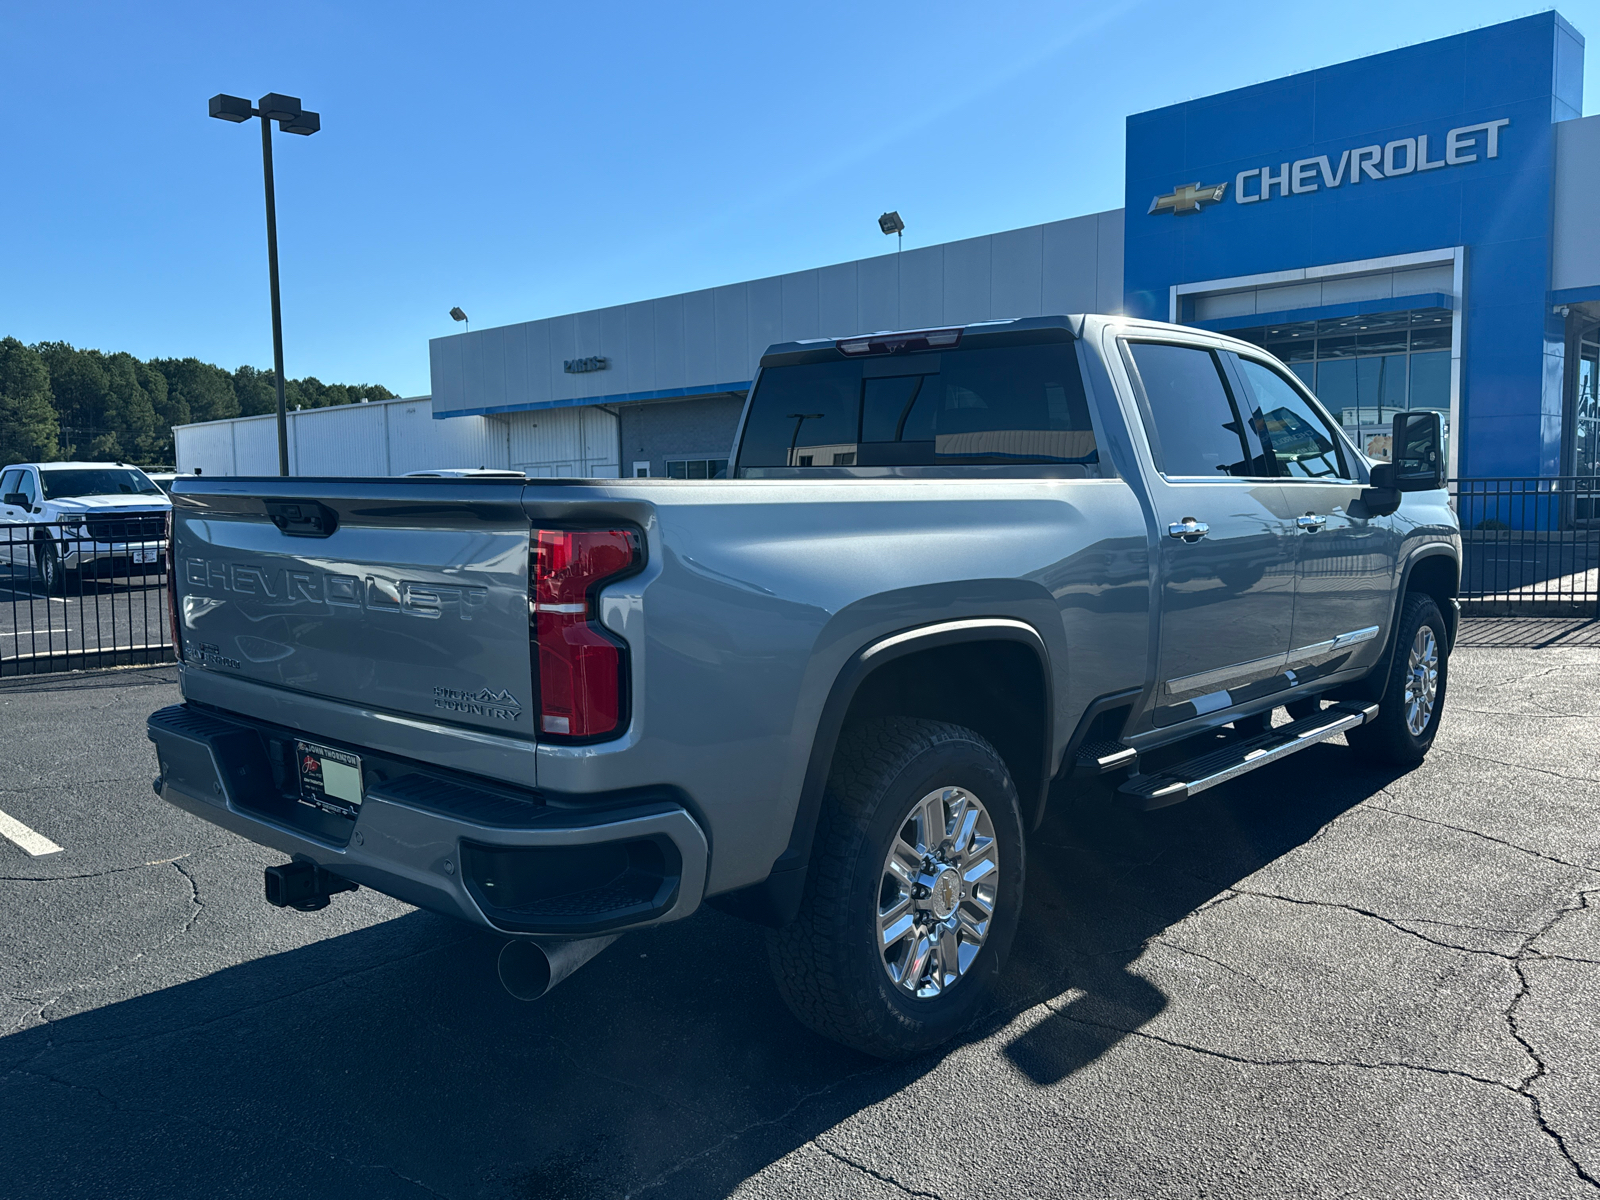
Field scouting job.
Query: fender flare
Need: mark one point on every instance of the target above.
(1379, 675)
(776, 899)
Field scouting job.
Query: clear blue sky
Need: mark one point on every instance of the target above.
(523, 160)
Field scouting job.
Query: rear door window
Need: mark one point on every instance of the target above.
(990, 406)
(1195, 429)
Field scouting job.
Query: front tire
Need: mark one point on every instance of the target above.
(55, 576)
(1412, 704)
(913, 893)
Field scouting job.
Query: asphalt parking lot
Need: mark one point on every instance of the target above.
(99, 622)
(1315, 981)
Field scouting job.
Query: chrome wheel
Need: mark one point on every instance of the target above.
(937, 897)
(1422, 681)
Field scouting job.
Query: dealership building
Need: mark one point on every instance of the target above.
(1419, 229)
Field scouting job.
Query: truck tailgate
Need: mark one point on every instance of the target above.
(404, 595)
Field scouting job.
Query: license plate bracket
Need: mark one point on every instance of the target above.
(330, 779)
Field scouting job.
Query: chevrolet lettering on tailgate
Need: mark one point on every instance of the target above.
(280, 585)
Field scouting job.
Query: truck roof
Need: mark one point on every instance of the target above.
(1018, 329)
(823, 349)
(64, 466)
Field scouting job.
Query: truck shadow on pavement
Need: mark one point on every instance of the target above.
(388, 1062)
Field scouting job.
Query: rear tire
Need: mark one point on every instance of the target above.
(899, 785)
(1412, 704)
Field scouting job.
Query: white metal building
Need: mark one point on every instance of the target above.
(393, 437)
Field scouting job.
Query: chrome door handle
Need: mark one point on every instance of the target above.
(1188, 529)
(1311, 522)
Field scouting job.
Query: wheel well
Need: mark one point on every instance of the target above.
(994, 688)
(1438, 576)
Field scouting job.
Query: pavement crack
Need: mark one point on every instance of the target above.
(878, 1175)
(1392, 922)
(194, 894)
(735, 1135)
(416, 1183)
(160, 862)
(1350, 1064)
(1216, 961)
(583, 1069)
(1488, 837)
(1500, 762)
(1540, 1068)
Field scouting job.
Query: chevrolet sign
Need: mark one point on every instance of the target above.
(1403, 156)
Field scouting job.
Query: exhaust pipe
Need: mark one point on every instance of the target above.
(529, 969)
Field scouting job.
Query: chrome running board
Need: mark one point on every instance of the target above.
(1182, 780)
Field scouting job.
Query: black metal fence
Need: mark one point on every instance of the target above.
(83, 594)
(1530, 547)
(94, 593)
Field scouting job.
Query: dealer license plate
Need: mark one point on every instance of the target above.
(329, 779)
(146, 555)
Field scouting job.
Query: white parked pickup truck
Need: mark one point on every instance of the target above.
(71, 519)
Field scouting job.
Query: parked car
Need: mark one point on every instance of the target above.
(831, 693)
(78, 518)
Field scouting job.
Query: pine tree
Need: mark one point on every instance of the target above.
(29, 430)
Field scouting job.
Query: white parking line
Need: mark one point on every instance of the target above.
(35, 844)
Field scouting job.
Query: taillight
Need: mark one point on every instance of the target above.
(172, 592)
(582, 667)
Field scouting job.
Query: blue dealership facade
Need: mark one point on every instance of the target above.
(1435, 163)
(1412, 230)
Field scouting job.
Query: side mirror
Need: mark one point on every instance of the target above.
(15, 500)
(1418, 458)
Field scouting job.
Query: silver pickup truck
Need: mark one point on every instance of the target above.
(951, 572)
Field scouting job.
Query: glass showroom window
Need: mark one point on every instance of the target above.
(697, 468)
(1586, 415)
(1366, 369)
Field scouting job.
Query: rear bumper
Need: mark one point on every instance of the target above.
(498, 859)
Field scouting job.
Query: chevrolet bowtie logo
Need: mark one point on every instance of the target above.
(1188, 198)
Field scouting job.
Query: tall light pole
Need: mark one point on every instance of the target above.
(291, 118)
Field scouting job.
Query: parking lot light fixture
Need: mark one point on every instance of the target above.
(890, 222)
(457, 315)
(291, 118)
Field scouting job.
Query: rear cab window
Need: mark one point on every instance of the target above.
(1195, 426)
(1210, 414)
(971, 406)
